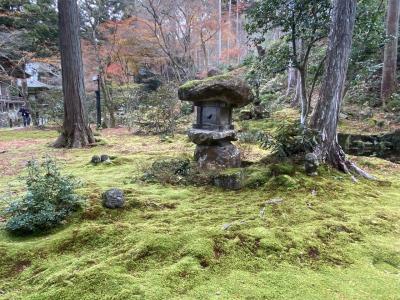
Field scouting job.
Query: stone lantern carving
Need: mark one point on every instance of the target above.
(214, 98)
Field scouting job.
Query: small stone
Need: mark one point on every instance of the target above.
(113, 198)
(104, 157)
(366, 113)
(107, 162)
(95, 159)
(274, 201)
(311, 164)
(226, 226)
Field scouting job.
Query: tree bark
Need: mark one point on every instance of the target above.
(388, 85)
(230, 29)
(326, 113)
(303, 96)
(76, 132)
(219, 31)
(204, 50)
(237, 30)
(292, 80)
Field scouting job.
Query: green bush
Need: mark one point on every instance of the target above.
(292, 139)
(394, 103)
(49, 200)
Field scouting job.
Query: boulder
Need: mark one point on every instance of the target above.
(311, 164)
(150, 80)
(245, 115)
(221, 155)
(229, 89)
(213, 72)
(231, 180)
(104, 157)
(207, 137)
(95, 159)
(113, 198)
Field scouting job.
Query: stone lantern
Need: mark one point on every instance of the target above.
(214, 98)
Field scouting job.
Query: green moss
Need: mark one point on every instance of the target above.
(193, 83)
(329, 238)
(283, 169)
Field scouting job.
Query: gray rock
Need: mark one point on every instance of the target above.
(113, 198)
(229, 89)
(245, 115)
(207, 137)
(213, 72)
(366, 113)
(274, 201)
(104, 157)
(222, 155)
(311, 164)
(229, 181)
(95, 159)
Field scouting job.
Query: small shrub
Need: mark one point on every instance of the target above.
(394, 103)
(49, 200)
(292, 139)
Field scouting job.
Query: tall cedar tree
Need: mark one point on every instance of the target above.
(326, 113)
(76, 132)
(388, 85)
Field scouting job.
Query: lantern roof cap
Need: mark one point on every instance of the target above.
(226, 88)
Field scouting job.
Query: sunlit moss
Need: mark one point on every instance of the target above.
(328, 238)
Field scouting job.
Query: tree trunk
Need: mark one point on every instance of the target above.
(237, 30)
(76, 132)
(326, 113)
(204, 49)
(230, 29)
(292, 80)
(388, 85)
(303, 96)
(107, 100)
(219, 31)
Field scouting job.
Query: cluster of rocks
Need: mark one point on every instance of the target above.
(97, 159)
(214, 98)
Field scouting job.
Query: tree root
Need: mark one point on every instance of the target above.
(76, 139)
(336, 157)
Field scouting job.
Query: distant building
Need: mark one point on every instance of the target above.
(42, 77)
(28, 80)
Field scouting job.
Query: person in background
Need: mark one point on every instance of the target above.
(26, 115)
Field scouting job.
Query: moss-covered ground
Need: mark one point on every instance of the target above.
(322, 237)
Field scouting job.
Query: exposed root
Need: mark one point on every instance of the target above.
(76, 139)
(336, 157)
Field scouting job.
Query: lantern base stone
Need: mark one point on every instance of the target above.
(221, 155)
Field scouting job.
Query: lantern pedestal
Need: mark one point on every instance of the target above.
(221, 155)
